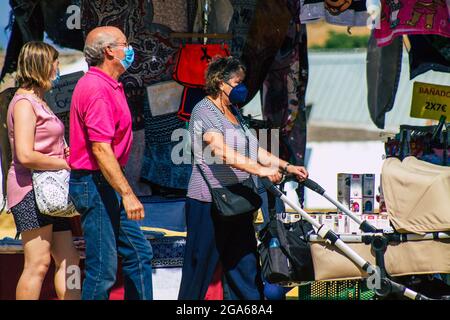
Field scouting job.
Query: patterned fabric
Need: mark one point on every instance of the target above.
(159, 129)
(52, 192)
(170, 13)
(412, 17)
(153, 48)
(206, 117)
(340, 12)
(27, 216)
(157, 166)
(284, 94)
(295, 128)
(168, 252)
(240, 24)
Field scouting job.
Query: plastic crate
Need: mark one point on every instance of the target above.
(335, 290)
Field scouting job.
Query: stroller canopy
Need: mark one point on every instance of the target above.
(417, 195)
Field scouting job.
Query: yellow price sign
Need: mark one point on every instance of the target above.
(430, 101)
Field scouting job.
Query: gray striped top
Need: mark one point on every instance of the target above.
(206, 117)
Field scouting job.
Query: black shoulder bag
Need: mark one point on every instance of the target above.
(239, 198)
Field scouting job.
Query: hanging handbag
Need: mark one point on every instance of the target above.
(235, 199)
(192, 62)
(51, 189)
(285, 252)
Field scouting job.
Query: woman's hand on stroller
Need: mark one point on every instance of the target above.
(272, 173)
(299, 172)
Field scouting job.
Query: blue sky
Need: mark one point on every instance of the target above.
(4, 18)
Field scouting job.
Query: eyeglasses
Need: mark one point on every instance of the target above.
(118, 44)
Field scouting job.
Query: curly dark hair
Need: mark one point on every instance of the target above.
(219, 70)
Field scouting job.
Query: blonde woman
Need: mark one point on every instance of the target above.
(36, 138)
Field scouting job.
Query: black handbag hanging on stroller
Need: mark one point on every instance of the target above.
(285, 252)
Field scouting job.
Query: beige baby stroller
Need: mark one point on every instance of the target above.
(417, 197)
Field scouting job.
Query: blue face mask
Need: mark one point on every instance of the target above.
(57, 79)
(238, 94)
(129, 57)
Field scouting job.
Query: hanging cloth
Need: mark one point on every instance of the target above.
(412, 17)
(341, 13)
(428, 52)
(220, 15)
(154, 50)
(383, 75)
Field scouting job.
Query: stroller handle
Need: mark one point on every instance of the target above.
(310, 184)
(314, 186)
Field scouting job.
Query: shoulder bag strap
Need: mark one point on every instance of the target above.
(241, 121)
(247, 146)
(204, 176)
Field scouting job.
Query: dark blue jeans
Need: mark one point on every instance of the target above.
(211, 239)
(108, 233)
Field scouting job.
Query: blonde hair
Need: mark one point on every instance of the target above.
(35, 63)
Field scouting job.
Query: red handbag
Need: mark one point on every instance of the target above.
(192, 61)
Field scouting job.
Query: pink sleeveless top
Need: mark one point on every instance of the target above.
(48, 140)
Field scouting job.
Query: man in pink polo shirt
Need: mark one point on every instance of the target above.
(100, 143)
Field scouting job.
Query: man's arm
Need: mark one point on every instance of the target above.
(112, 171)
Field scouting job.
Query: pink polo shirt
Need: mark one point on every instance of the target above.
(99, 113)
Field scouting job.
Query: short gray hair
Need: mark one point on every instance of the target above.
(94, 52)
